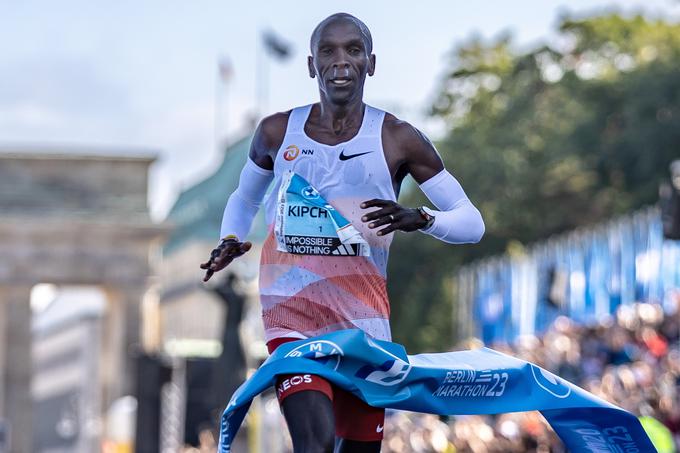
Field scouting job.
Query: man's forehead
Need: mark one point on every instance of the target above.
(341, 28)
(340, 32)
(339, 22)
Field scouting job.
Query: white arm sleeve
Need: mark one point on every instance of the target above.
(457, 221)
(244, 203)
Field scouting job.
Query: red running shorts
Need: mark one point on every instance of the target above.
(354, 419)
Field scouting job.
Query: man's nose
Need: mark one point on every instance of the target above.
(341, 65)
(341, 61)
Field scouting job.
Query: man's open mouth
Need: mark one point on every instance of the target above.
(341, 81)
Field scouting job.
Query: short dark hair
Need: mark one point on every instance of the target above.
(363, 29)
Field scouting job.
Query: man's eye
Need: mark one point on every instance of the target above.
(326, 51)
(354, 50)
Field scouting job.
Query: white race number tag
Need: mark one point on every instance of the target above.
(306, 224)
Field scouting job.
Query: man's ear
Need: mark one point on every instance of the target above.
(310, 66)
(371, 65)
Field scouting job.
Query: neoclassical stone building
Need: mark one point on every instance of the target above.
(69, 219)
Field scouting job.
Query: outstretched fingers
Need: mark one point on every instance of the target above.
(390, 213)
(222, 256)
(245, 247)
(387, 208)
(377, 202)
(395, 222)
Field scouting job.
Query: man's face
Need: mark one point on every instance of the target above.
(340, 61)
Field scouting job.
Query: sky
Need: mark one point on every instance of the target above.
(141, 77)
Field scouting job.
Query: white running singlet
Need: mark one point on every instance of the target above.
(309, 295)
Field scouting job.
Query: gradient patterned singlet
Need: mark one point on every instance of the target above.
(309, 295)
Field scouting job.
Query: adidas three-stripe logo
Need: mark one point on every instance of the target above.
(344, 250)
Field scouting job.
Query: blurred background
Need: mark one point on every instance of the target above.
(124, 126)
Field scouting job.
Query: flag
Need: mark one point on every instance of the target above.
(225, 69)
(276, 46)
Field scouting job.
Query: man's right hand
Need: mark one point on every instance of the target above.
(223, 255)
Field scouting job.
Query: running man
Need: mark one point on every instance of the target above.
(347, 160)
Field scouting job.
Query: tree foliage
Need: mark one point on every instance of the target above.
(543, 142)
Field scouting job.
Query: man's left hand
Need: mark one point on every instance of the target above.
(392, 214)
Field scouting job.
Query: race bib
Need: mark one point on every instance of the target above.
(306, 224)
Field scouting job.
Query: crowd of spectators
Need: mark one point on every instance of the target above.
(631, 360)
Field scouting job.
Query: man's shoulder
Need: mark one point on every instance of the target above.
(272, 129)
(402, 132)
(275, 125)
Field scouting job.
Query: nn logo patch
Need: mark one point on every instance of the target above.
(391, 372)
(292, 152)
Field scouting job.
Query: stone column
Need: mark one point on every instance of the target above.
(121, 338)
(16, 367)
(3, 353)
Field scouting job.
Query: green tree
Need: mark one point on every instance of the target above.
(543, 142)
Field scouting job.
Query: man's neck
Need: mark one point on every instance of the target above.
(340, 117)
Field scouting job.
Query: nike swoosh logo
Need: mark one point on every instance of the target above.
(344, 156)
(379, 429)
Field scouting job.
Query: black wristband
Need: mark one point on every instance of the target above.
(226, 239)
(427, 217)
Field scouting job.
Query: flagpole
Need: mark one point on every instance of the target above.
(221, 108)
(261, 76)
(269, 45)
(265, 86)
(217, 102)
(225, 119)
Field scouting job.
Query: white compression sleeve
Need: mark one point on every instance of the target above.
(244, 203)
(457, 221)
